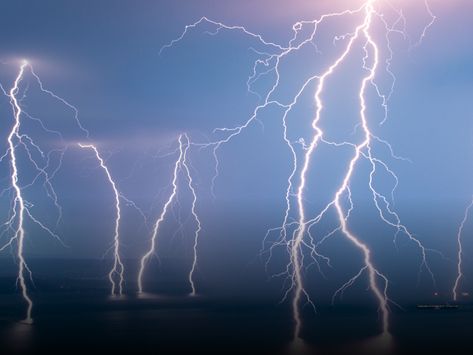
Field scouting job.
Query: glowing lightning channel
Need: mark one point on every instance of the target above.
(181, 165)
(196, 218)
(41, 162)
(19, 200)
(118, 267)
(152, 249)
(459, 277)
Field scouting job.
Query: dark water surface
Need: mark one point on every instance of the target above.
(74, 314)
(193, 325)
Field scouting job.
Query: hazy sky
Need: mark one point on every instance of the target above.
(103, 56)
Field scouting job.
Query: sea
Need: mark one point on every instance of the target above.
(76, 314)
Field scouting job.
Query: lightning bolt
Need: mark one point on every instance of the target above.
(456, 286)
(181, 164)
(43, 167)
(19, 202)
(118, 268)
(197, 231)
(296, 257)
(301, 238)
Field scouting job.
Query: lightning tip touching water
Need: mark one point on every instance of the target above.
(458, 279)
(181, 165)
(44, 170)
(117, 270)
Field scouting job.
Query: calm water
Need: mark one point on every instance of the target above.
(75, 315)
(154, 324)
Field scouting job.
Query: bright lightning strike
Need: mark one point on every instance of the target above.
(301, 239)
(116, 273)
(181, 165)
(21, 143)
(19, 204)
(296, 246)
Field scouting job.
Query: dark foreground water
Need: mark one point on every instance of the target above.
(74, 314)
(81, 323)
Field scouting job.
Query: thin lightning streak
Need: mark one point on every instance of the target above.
(182, 164)
(118, 268)
(433, 18)
(219, 27)
(196, 218)
(152, 250)
(72, 107)
(459, 277)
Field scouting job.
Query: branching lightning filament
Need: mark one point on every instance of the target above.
(181, 165)
(21, 143)
(118, 268)
(296, 236)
